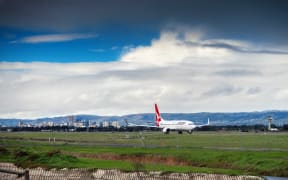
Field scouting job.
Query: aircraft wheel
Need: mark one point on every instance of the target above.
(167, 131)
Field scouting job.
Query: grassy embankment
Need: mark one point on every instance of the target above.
(228, 153)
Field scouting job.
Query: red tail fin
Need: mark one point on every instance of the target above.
(158, 116)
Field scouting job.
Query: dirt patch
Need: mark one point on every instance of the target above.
(151, 159)
(143, 158)
(156, 159)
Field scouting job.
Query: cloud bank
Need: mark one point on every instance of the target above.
(182, 70)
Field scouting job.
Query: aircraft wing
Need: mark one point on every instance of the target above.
(138, 125)
(208, 123)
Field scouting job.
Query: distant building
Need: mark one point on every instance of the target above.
(63, 124)
(115, 124)
(29, 125)
(47, 124)
(50, 124)
(70, 121)
(105, 124)
(80, 124)
(20, 124)
(270, 119)
(93, 125)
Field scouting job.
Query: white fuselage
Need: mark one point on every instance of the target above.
(180, 125)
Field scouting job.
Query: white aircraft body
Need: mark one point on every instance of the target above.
(170, 125)
(175, 125)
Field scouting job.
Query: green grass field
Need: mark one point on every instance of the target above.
(209, 152)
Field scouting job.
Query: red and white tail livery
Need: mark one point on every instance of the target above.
(175, 125)
(158, 116)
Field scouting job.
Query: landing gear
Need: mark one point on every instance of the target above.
(190, 131)
(166, 131)
(179, 132)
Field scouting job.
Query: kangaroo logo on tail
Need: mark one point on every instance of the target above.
(158, 116)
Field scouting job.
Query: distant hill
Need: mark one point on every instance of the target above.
(240, 118)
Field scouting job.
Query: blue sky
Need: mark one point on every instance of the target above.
(129, 23)
(117, 57)
(98, 46)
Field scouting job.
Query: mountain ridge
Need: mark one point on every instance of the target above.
(280, 117)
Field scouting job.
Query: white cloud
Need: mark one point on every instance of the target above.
(182, 71)
(48, 38)
(170, 49)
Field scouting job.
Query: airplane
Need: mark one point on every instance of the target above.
(175, 125)
(170, 125)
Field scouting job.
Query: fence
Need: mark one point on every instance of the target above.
(99, 174)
